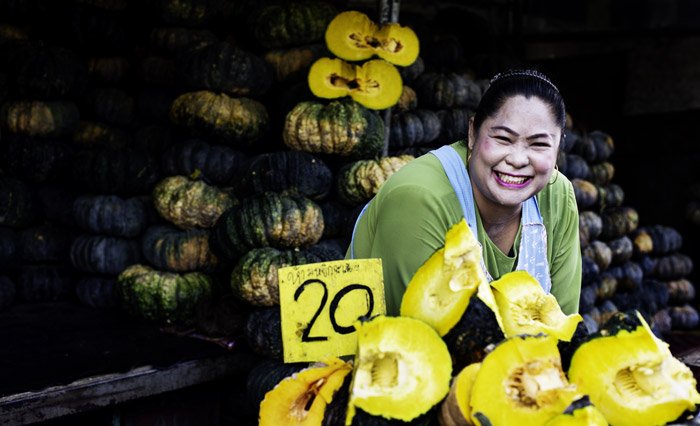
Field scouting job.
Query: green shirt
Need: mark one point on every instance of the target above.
(407, 220)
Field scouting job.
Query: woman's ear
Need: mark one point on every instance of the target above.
(471, 137)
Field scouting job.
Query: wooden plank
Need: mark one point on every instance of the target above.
(111, 389)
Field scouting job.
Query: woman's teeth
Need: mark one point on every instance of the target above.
(513, 180)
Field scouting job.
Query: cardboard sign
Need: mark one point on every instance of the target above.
(320, 302)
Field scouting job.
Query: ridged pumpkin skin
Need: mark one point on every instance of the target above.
(108, 70)
(267, 220)
(254, 278)
(44, 243)
(454, 124)
(288, 172)
(111, 214)
(631, 376)
(341, 127)
(44, 283)
(416, 127)
(171, 40)
(216, 164)
(115, 171)
(263, 332)
(234, 121)
(293, 63)
(359, 181)
(39, 118)
(292, 23)
(402, 369)
(443, 91)
(618, 221)
(188, 13)
(177, 250)
(222, 67)
(163, 297)
(93, 134)
(104, 255)
(189, 203)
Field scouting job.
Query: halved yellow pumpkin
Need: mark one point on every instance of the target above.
(521, 383)
(631, 376)
(353, 36)
(402, 369)
(526, 309)
(301, 399)
(376, 84)
(439, 291)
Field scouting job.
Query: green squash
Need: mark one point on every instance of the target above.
(618, 221)
(267, 220)
(263, 332)
(216, 164)
(341, 127)
(415, 127)
(293, 63)
(93, 134)
(121, 172)
(108, 70)
(447, 90)
(104, 255)
(111, 214)
(171, 40)
(222, 67)
(454, 124)
(163, 297)
(177, 250)
(190, 203)
(233, 121)
(359, 181)
(39, 118)
(188, 13)
(291, 23)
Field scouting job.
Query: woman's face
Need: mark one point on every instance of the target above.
(514, 151)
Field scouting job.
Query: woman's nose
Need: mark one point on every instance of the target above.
(518, 156)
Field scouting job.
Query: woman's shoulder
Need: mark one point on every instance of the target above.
(557, 198)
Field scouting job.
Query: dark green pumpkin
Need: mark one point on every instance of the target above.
(341, 127)
(629, 275)
(589, 270)
(39, 118)
(233, 121)
(589, 294)
(621, 248)
(188, 13)
(35, 160)
(288, 172)
(216, 164)
(9, 246)
(291, 23)
(415, 127)
(115, 171)
(171, 40)
(610, 195)
(468, 341)
(48, 72)
(254, 278)
(189, 203)
(163, 297)
(18, 206)
(604, 145)
(454, 124)
(177, 250)
(293, 63)
(8, 291)
(607, 286)
(672, 266)
(104, 255)
(158, 71)
(618, 221)
(446, 91)
(267, 220)
(45, 243)
(222, 67)
(44, 283)
(222, 316)
(680, 291)
(413, 71)
(110, 105)
(600, 253)
(359, 181)
(585, 192)
(112, 215)
(661, 323)
(108, 70)
(263, 332)
(93, 134)
(97, 291)
(338, 220)
(664, 239)
(602, 173)
(648, 298)
(684, 317)
(576, 167)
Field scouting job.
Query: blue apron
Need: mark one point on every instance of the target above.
(532, 252)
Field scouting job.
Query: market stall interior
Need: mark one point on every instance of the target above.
(161, 160)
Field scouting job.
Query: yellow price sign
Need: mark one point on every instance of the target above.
(320, 302)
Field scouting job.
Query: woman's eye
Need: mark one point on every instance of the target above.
(502, 138)
(541, 144)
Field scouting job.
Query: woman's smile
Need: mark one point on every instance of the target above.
(512, 181)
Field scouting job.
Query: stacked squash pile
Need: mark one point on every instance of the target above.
(625, 265)
(498, 353)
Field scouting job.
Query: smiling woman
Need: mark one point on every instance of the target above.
(502, 180)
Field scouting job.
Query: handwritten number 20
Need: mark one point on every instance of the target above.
(305, 337)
